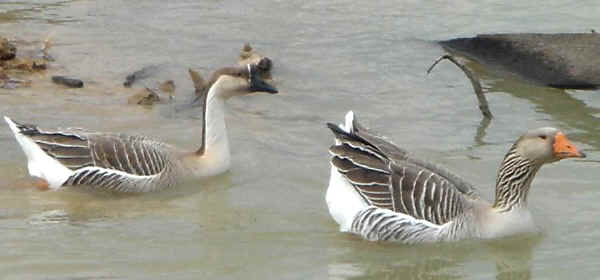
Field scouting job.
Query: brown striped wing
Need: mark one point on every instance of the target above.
(131, 154)
(77, 149)
(400, 187)
(386, 177)
(69, 148)
(423, 194)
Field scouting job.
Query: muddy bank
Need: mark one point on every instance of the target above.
(556, 60)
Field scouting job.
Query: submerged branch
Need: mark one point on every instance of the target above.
(483, 104)
(483, 125)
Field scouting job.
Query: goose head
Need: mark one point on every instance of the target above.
(546, 145)
(250, 56)
(233, 81)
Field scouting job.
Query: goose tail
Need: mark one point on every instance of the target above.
(348, 122)
(39, 163)
(342, 199)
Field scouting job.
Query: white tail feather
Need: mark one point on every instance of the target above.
(39, 163)
(347, 125)
(349, 120)
(342, 199)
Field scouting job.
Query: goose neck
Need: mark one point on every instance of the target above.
(514, 181)
(214, 130)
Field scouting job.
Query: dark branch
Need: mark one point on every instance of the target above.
(483, 104)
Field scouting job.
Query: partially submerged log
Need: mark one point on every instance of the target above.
(556, 60)
(67, 81)
(143, 73)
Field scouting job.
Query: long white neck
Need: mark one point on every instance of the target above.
(214, 156)
(216, 129)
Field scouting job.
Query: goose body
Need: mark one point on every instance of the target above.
(124, 163)
(380, 192)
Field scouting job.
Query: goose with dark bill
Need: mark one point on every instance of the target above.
(380, 192)
(123, 163)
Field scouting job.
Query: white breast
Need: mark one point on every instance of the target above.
(501, 224)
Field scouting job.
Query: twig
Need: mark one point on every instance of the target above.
(483, 125)
(483, 104)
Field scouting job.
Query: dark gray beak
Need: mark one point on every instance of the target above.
(257, 83)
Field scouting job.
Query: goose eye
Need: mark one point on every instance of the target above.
(543, 137)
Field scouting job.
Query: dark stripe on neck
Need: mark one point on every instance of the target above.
(202, 149)
(514, 180)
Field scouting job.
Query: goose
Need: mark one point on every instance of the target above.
(123, 163)
(380, 192)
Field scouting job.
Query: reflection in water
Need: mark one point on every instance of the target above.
(557, 103)
(508, 259)
(513, 256)
(81, 206)
(428, 267)
(48, 217)
(483, 125)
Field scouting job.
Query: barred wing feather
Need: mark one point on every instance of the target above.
(387, 177)
(134, 155)
(111, 161)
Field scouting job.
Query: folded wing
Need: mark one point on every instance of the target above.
(386, 176)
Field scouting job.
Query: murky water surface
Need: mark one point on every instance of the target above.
(266, 218)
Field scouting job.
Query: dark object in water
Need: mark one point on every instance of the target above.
(70, 82)
(7, 49)
(560, 60)
(129, 80)
(139, 74)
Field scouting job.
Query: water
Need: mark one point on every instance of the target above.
(266, 218)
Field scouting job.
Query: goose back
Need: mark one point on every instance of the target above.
(115, 162)
(387, 177)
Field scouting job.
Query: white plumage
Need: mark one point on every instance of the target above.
(40, 164)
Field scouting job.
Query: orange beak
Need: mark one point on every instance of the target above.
(563, 148)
